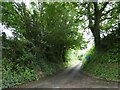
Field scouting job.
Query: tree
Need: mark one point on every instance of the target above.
(59, 26)
(100, 17)
(49, 27)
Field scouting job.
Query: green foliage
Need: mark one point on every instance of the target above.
(49, 68)
(71, 54)
(107, 71)
(104, 64)
(91, 51)
(51, 29)
(41, 38)
(80, 57)
(100, 18)
(15, 74)
(18, 73)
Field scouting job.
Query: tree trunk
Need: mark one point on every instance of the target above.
(94, 26)
(97, 41)
(96, 33)
(97, 16)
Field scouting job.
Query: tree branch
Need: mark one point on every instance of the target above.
(89, 15)
(96, 6)
(104, 6)
(105, 18)
(107, 11)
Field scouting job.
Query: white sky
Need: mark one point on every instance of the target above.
(7, 31)
(27, 2)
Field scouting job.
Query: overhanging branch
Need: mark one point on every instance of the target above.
(89, 15)
(105, 18)
(104, 6)
(108, 12)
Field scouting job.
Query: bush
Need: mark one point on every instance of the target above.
(15, 74)
(103, 65)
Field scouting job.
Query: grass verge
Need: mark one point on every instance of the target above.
(104, 66)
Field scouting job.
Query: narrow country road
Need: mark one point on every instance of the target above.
(71, 78)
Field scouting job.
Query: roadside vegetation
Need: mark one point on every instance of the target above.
(105, 64)
(46, 36)
(42, 36)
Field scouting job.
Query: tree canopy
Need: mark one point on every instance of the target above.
(100, 17)
(49, 27)
(44, 32)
